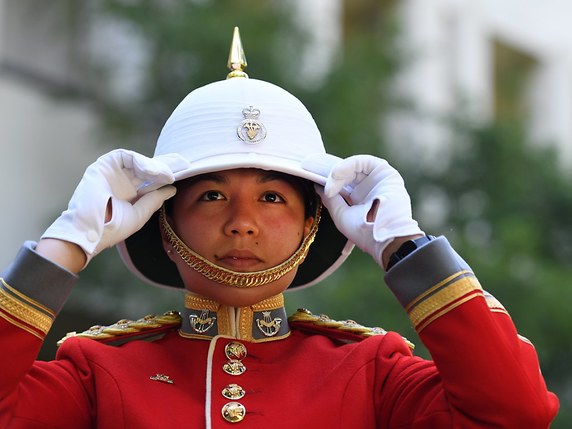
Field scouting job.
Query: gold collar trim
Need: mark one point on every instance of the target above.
(204, 318)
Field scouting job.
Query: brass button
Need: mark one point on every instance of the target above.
(233, 391)
(235, 351)
(234, 367)
(233, 412)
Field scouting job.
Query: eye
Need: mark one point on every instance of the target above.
(212, 196)
(272, 197)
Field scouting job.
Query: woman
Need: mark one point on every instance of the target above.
(241, 224)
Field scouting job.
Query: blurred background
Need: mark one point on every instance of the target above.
(471, 101)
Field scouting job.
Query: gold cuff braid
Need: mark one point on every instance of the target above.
(233, 278)
(24, 312)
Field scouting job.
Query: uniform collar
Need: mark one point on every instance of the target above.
(204, 318)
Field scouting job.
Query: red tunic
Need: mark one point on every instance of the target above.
(482, 374)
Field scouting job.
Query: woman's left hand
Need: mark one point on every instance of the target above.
(376, 208)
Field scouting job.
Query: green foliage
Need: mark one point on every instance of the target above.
(356, 94)
(510, 206)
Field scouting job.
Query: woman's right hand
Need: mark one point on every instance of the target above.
(115, 197)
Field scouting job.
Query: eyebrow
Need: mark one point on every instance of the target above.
(210, 177)
(269, 176)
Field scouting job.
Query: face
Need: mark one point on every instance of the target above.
(245, 220)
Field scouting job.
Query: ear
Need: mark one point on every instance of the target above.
(308, 225)
(167, 247)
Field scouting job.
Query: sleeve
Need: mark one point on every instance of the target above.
(32, 292)
(487, 375)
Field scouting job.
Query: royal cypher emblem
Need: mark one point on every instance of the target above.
(251, 130)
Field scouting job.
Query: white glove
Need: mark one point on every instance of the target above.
(133, 184)
(365, 180)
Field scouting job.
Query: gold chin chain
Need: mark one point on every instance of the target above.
(234, 278)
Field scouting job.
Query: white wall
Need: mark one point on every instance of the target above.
(452, 41)
(45, 146)
(47, 137)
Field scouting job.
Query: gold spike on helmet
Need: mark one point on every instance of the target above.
(236, 57)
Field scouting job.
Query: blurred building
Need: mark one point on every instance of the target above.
(496, 59)
(48, 134)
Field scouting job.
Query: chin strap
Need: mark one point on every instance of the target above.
(234, 278)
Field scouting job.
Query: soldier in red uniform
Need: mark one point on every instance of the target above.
(228, 210)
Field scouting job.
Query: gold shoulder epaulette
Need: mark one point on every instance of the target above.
(346, 330)
(124, 330)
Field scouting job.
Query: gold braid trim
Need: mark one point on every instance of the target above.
(494, 305)
(442, 298)
(271, 303)
(197, 302)
(125, 327)
(25, 310)
(234, 278)
(305, 316)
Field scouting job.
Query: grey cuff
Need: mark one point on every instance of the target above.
(39, 278)
(423, 269)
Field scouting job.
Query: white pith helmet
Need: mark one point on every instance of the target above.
(239, 123)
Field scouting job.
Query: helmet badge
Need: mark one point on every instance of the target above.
(251, 130)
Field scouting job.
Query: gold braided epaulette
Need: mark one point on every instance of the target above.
(125, 330)
(348, 330)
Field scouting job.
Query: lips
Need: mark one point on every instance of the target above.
(240, 260)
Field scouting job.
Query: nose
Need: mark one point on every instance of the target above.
(241, 219)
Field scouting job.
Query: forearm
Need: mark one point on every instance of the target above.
(489, 375)
(63, 253)
(32, 292)
(43, 394)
